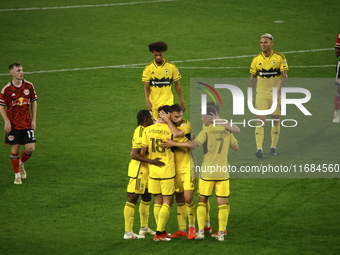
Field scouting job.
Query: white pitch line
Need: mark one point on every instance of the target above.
(82, 6)
(182, 61)
(248, 56)
(245, 67)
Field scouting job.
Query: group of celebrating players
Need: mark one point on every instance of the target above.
(161, 160)
(162, 164)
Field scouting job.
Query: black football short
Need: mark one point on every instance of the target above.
(20, 137)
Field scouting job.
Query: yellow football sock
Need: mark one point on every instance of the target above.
(207, 216)
(223, 214)
(259, 135)
(228, 205)
(275, 133)
(201, 215)
(156, 209)
(129, 212)
(191, 208)
(144, 211)
(181, 216)
(163, 217)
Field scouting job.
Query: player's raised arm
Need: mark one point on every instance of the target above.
(174, 130)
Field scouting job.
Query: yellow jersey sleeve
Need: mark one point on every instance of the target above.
(137, 168)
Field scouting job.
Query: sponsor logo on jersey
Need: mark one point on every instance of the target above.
(161, 82)
(269, 73)
(20, 101)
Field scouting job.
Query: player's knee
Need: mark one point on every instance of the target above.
(132, 198)
(146, 197)
(189, 201)
(29, 149)
(180, 198)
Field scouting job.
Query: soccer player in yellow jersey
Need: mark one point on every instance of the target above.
(184, 182)
(214, 175)
(161, 179)
(231, 128)
(158, 77)
(268, 70)
(138, 173)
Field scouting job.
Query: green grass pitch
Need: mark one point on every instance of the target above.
(86, 64)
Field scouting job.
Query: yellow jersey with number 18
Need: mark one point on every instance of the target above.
(152, 139)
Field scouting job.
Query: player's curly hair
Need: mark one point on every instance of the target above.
(158, 46)
(142, 115)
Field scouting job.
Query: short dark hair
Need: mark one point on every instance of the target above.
(11, 66)
(213, 104)
(211, 109)
(165, 108)
(158, 46)
(175, 108)
(143, 115)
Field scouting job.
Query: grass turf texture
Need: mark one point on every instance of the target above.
(73, 199)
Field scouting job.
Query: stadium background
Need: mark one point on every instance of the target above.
(86, 62)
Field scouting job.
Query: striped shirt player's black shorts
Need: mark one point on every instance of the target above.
(21, 137)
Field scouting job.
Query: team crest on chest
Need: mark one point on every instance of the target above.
(273, 62)
(26, 92)
(166, 71)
